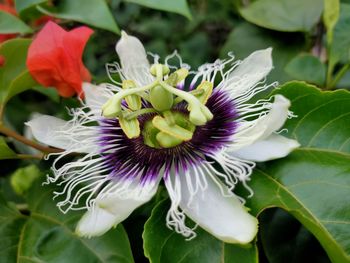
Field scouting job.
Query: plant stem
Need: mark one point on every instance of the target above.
(30, 156)
(1, 111)
(339, 75)
(10, 133)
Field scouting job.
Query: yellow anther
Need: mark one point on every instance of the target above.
(207, 87)
(133, 101)
(177, 76)
(131, 128)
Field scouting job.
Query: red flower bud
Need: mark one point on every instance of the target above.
(55, 58)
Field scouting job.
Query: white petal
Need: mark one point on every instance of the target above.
(133, 59)
(62, 134)
(95, 96)
(251, 70)
(109, 211)
(223, 216)
(45, 128)
(277, 116)
(273, 147)
(95, 222)
(261, 128)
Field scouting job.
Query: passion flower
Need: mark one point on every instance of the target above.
(201, 141)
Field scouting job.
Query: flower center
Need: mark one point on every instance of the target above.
(169, 127)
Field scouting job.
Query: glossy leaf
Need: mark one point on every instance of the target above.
(313, 182)
(22, 5)
(286, 240)
(246, 38)
(94, 12)
(21, 83)
(284, 15)
(14, 78)
(178, 6)
(11, 222)
(12, 24)
(47, 235)
(5, 151)
(164, 245)
(308, 68)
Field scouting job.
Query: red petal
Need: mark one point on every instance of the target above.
(76, 40)
(8, 8)
(54, 58)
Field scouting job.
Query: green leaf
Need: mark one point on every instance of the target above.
(23, 178)
(198, 44)
(23, 82)
(11, 222)
(285, 240)
(321, 116)
(93, 12)
(313, 182)
(308, 68)
(14, 77)
(47, 235)
(246, 38)
(284, 15)
(22, 5)
(330, 17)
(178, 6)
(164, 245)
(5, 151)
(12, 24)
(51, 93)
(340, 48)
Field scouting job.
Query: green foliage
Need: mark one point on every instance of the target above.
(11, 24)
(340, 47)
(178, 6)
(47, 235)
(14, 77)
(284, 15)
(286, 240)
(308, 68)
(23, 178)
(95, 13)
(24, 5)
(164, 245)
(5, 151)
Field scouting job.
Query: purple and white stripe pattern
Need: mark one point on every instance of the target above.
(116, 174)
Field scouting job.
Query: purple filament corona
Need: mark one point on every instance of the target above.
(132, 158)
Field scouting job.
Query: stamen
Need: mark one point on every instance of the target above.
(133, 101)
(112, 108)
